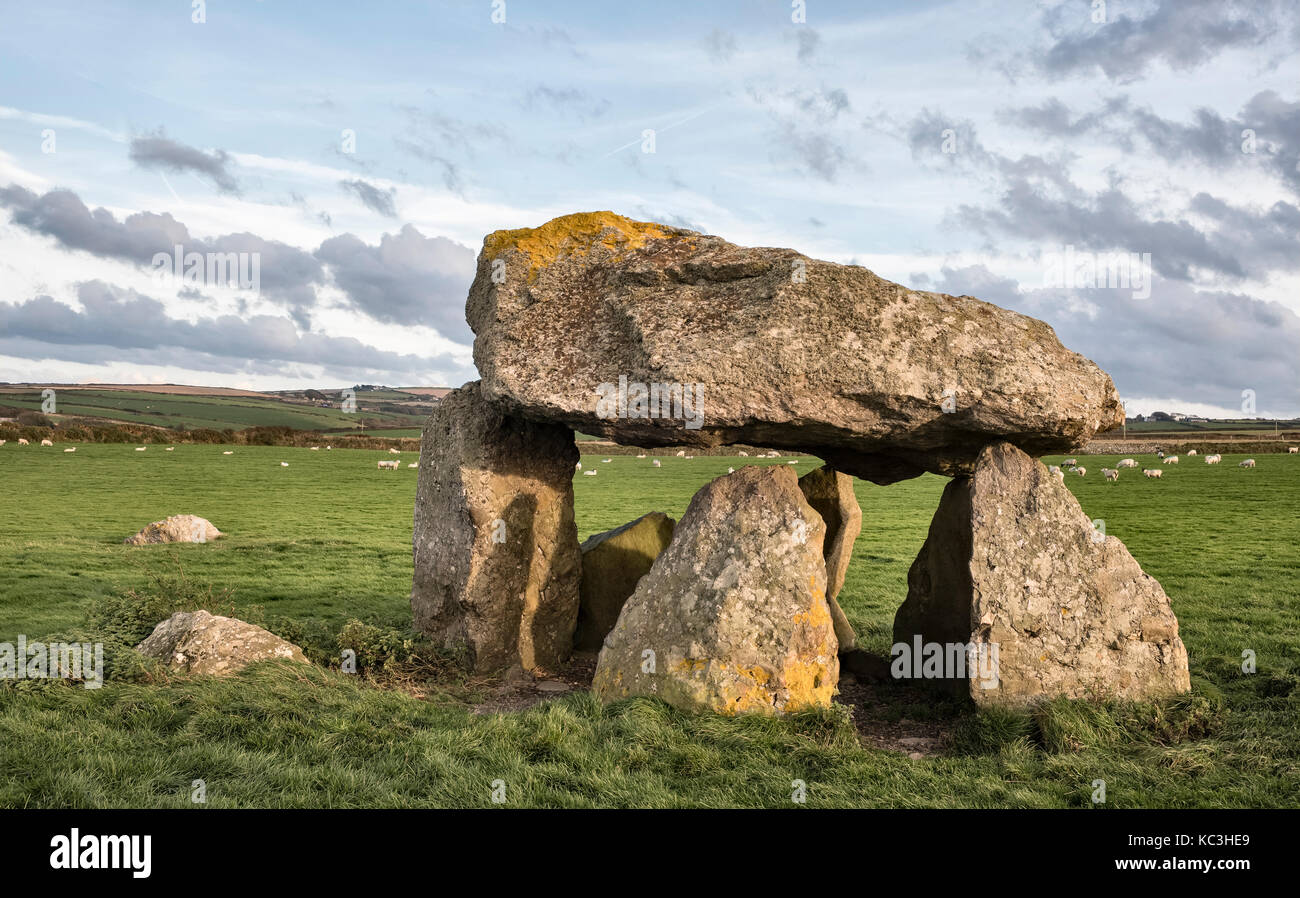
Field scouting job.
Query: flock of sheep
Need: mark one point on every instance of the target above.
(1112, 474)
(681, 453)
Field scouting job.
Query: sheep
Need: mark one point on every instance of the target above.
(1213, 459)
(1070, 462)
(1248, 463)
(1127, 463)
(1169, 460)
(1053, 469)
(284, 464)
(731, 470)
(689, 457)
(22, 442)
(315, 448)
(605, 461)
(1293, 450)
(642, 455)
(794, 462)
(395, 451)
(390, 465)
(1111, 474)
(744, 454)
(1191, 451)
(1152, 473)
(590, 473)
(1059, 475)
(578, 467)
(414, 465)
(73, 449)
(2, 442)
(681, 453)
(1081, 471)
(170, 449)
(141, 448)
(47, 442)
(228, 452)
(655, 462)
(328, 448)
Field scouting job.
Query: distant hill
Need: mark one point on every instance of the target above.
(395, 412)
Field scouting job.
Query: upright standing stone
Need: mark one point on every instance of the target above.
(830, 493)
(613, 563)
(496, 547)
(1012, 561)
(732, 616)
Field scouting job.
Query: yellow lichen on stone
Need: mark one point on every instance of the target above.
(571, 235)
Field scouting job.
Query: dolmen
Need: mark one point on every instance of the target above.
(655, 336)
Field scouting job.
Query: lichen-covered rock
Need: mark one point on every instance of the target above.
(1012, 561)
(496, 547)
(579, 320)
(613, 563)
(179, 528)
(830, 493)
(202, 643)
(732, 616)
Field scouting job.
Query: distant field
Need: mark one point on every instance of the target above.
(328, 538)
(215, 412)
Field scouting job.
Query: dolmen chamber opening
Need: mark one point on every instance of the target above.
(655, 336)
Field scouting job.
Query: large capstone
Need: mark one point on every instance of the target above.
(830, 493)
(732, 616)
(613, 563)
(655, 336)
(1045, 602)
(496, 547)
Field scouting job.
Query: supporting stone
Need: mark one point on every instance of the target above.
(496, 547)
(613, 563)
(1013, 567)
(732, 616)
(830, 493)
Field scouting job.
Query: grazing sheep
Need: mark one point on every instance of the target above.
(744, 454)
(390, 465)
(2, 442)
(315, 448)
(590, 473)
(1069, 462)
(1213, 459)
(1053, 469)
(1169, 460)
(1081, 471)
(170, 449)
(414, 464)
(689, 457)
(655, 462)
(47, 443)
(1152, 473)
(328, 448)
(22, 442)
(579, 467)
(731, 470)
(1111, 474)
(1291, 449)
(141, 448)
(1127, 463)
(1248, 463)
(284, 464)
(1191, 452)
(73, 449)
(681, 453)
(794, 462)
(395, 451)
(605, 461)
(228, 452)
(642, 455)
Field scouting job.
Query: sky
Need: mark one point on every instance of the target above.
(360, 152)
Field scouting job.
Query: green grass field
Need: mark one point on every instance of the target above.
(327, 539)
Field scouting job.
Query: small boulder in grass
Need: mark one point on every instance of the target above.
(179, 528)
(202, 643)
